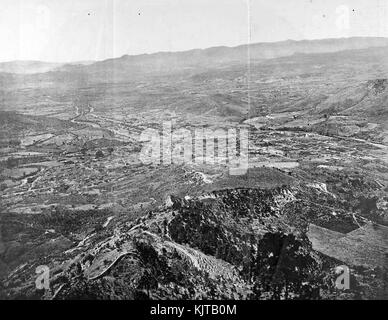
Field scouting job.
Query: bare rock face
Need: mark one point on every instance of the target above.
(174, 202)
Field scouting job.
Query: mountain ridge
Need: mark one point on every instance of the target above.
(172, 60)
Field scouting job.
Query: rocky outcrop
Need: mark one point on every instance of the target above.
(213, 246)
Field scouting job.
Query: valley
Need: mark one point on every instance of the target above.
(75, 195)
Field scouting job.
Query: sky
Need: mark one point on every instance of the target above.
(84, 30)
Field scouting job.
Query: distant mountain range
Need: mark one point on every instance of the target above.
(30, 66)
(166, 63)
(197, 58)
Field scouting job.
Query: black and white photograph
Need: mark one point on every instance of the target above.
(206, 150)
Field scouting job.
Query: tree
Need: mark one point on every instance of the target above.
(285, 268)
(99, 154)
